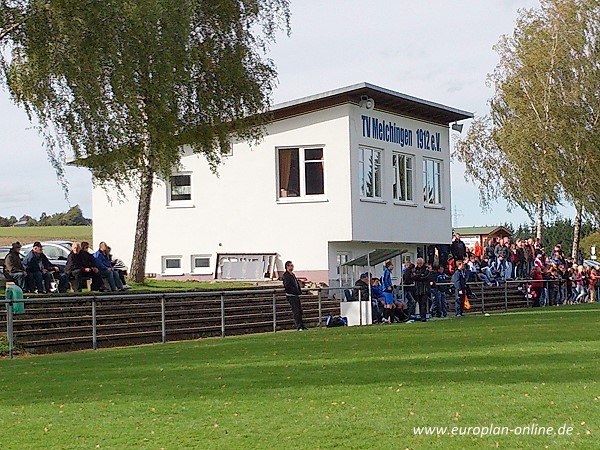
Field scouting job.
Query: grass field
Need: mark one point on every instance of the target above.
(358, 388)
(27, 235)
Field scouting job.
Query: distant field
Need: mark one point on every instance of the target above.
(27, 235)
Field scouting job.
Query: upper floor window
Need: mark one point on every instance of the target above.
(432, 181)
(301, 172)
(369, 172)
(179, 189)
(403, 177)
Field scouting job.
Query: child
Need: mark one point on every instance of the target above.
(439, 293)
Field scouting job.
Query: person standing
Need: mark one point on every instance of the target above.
(458, 249)
(293, 290)
(423, 280)
(459, 280)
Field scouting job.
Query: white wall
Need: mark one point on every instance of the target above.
(387, 221)
(238, 211)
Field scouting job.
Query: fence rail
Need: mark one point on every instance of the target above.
(96, 321)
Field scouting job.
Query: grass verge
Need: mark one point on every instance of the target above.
(359, 387)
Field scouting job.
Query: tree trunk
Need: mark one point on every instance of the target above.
(540, 220)
(140, 247)
(576, 232)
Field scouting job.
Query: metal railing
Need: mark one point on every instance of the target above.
(313, 301)
(509, 295)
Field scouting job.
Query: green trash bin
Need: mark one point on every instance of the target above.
(15, 293)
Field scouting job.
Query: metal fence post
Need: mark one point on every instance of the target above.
(274, 313)
(505, 295)
(94, 334)
(222, 315)
(360, 308)
(482, 299)
(9, 329)
(163, 319)
(320, 309)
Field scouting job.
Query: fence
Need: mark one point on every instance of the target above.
(82, 322)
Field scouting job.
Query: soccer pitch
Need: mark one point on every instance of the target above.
(519, 380)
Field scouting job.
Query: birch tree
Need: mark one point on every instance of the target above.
(122, 85)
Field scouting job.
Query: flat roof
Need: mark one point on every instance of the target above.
(375, 257)
(385, 100)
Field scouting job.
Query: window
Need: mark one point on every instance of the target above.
(179, 189)
(301, 172)
(201, 265)
(432, 182)
(369, 172)
(171, 265)
(403, 176)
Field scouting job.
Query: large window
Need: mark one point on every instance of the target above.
(432, 181)
(369, 172)
(301, 172)
(179, 189)
(403, 177)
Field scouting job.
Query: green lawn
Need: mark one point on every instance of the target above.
(27, 235)
(359, 387)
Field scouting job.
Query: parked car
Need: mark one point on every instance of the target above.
(56, 251)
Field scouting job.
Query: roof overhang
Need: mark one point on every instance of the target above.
(374, 257)
(385, 100)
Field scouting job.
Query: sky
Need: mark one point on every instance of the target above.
(437, 50)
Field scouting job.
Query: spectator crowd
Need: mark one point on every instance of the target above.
(36, 274)
(548, 279)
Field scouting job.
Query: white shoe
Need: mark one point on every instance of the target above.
(126, 286)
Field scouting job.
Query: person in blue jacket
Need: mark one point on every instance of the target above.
(105, 268)
(388, 293)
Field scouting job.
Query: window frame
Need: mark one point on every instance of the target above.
(302, 162)
(409, 184)
(201, 270)
(180, 203)
(437, 182)
(171, 270)
(362, 175)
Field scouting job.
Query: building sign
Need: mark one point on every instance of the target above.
(424, 139)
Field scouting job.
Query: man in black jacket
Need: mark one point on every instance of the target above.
(78, 267)
(293, 290)
(459, 280)
(41, 272)
(423, 280)
(458, 249)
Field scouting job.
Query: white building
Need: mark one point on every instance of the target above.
(337, 175)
